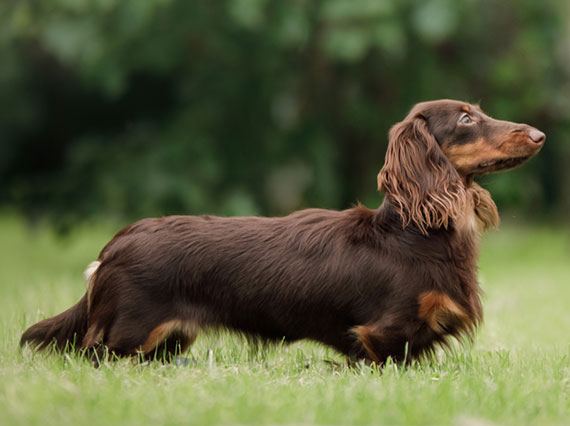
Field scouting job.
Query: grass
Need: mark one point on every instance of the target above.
(517, 371)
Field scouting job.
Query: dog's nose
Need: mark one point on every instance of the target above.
(537, 136)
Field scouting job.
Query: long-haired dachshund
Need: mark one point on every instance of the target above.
(391, 282)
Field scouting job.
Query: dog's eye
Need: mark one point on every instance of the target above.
(465, 119)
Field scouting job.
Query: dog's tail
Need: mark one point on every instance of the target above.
(66, 330)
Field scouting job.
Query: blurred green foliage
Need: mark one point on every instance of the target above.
(128, 108)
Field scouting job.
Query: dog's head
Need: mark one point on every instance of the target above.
(436, 151)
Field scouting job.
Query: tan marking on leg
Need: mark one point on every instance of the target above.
(365, 335)
(440, 311)
(160, 333)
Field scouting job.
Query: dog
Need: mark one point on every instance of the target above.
(394, 282)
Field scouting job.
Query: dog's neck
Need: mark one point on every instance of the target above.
(478, 214)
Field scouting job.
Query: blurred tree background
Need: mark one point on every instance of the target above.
(130, 108)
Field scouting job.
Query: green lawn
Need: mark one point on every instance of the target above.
(516, 372)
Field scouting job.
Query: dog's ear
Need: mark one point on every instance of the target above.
(417, 177)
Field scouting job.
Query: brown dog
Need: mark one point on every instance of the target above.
(394, 281)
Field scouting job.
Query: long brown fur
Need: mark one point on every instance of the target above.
(426, 188)
(390, 282)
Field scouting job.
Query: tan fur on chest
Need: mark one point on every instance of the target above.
(468, 223)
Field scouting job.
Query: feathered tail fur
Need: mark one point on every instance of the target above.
(65, 330)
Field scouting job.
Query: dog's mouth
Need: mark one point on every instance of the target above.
(500, 165)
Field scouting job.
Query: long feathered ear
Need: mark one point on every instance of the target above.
(419, 179)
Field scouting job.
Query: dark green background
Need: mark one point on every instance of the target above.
(128, 108)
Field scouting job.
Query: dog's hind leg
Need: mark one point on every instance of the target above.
(161, 340)
(169, 339)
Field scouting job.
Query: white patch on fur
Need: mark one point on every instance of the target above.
(90, 270)
(89, 275)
